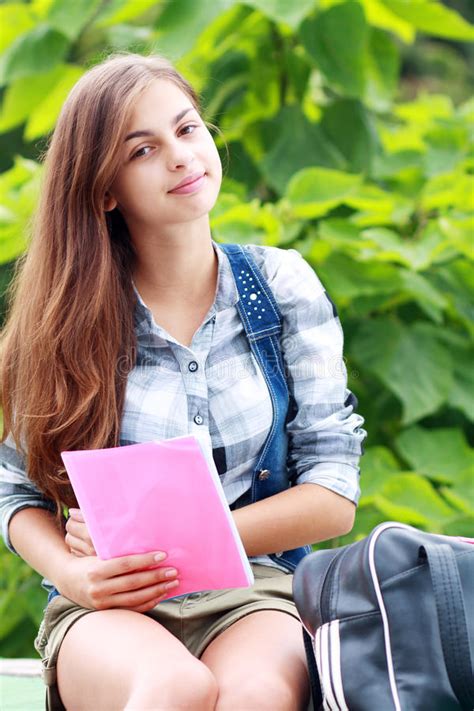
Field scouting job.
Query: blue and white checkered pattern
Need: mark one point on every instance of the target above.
(216, 390)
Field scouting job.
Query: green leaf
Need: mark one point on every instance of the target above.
(440, 453)
(325, 37)
(312, 192)
(382, 74)
(419, 289)
(350, 128)
(35, 52)
(411, 499)
(43, 118)
(181, 23)
(283, 11)
(129, 38)
(396, 165)
(24, 95)
(380, 16)
(70, 18)
(410, 362)
(15, 20)
(425, 109)
(296, 143)
(433, 18)
(461, 395)
(447, 144)
(460, 526)
(461, 494)
(456, 281)
(246, 222)
(115, 12)
(377, 466)
(451, 189)
(347, 279)
(258, 102)
(18, 196)
(459, 231)
(389, 246)
(378, 207)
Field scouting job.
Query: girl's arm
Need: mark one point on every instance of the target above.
(135, 582)
(325, 434)
(304, 514)
(35, 536)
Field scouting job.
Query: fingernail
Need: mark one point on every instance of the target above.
(159, 556)
(174, 584)
(171, 573)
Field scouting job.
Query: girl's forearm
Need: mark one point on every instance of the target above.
(302, 515)
(37, 539)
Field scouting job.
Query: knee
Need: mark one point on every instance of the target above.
(190, 687)
(265, 693)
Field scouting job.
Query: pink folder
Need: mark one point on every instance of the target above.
(161, 496)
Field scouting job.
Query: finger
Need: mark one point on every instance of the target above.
(146, 607)
(139, 580)
(79, 531)
(77, 553)
(76, 514)
(131, 563)
(79, 544)
(144, 596)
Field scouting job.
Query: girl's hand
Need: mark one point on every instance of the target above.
(133, 582)
(77, 537)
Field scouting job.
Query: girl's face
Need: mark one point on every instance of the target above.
(166, 142)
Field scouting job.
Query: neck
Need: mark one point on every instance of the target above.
(176, 268)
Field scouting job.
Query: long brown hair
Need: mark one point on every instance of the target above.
(69, 340)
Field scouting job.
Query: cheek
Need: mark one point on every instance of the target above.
(215, 164)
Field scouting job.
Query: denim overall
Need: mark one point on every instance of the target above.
(261, 318)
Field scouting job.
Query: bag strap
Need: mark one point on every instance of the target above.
(315, 684)
(449, 601)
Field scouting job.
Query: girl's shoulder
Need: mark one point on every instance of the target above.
(286, 271)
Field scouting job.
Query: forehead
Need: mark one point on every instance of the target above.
(159, 102)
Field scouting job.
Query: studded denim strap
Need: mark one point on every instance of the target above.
(262, 321)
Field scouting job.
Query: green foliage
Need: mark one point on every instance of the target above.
(327, 155)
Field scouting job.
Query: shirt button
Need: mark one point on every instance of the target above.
(264, 474)
(198, 420)
(193, 366)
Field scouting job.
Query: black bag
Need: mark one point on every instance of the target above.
(389, 622)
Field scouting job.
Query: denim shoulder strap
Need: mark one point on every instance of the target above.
(262, 321)
(257, 306)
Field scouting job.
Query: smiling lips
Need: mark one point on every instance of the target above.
(189, 184)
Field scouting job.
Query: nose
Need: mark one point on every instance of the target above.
(179, 156)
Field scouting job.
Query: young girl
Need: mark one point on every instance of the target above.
(130, 323)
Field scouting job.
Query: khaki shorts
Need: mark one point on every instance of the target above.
(195, 619)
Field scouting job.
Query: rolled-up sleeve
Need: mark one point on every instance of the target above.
(325, 434)
(16, 490)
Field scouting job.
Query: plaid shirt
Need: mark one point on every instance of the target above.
(215, 390)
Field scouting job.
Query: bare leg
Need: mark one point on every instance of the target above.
(260, 663)
(116, 659)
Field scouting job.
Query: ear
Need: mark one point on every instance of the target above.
(110, 203)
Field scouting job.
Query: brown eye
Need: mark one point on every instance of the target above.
(189, 125)
(139, 153)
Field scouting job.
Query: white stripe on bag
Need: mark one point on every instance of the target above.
(336, 664)
(383, 612)
(317, 654)
(326, 663)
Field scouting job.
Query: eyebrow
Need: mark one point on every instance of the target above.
(147, 132)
